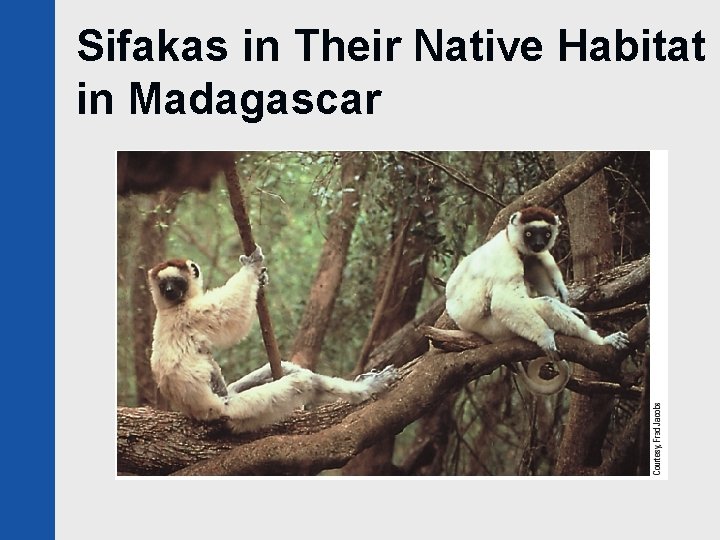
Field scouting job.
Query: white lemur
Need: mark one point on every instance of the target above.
(511, 286)
(191, 323)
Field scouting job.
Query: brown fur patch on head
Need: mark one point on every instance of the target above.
(537, 213)
(177, 263)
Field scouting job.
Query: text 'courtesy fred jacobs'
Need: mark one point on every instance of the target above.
(656, 447)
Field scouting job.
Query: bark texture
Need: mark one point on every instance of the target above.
(151, 250)
(158, 442)
(592, 251)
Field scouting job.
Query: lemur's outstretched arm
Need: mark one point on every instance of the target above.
(226, 314)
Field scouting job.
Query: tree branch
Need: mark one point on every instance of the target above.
(455, 175)
(155, 442)
(382, 305)
(562, 182)
(407, 343)
(572, 349)
(582, 386)
(237, 202)
(619, 285)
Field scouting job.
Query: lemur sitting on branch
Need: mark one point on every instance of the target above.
(511, 286)
(191, 323)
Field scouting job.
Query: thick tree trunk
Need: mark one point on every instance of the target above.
(427, 453)
(592, 252)
(326, 286)
(151, 250)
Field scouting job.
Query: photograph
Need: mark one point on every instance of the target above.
(384, 313)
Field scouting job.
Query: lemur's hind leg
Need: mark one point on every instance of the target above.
(260, 376)
(265, 404)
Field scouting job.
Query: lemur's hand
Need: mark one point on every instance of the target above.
(563, 292)
(255, 259)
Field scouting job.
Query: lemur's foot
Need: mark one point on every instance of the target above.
(619, 340)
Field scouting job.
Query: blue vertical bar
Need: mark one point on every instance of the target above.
(28, 306)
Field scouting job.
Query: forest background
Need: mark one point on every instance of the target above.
(358, 245)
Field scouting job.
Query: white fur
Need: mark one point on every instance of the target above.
(488, 294)
(186, 333)
(256, 401)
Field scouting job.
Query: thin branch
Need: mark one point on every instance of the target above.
(452, 340)
(629, 183)
(188, 237)
(380, 309)
(455, 175)
(237, 201)
(633, 309)
(582, 386)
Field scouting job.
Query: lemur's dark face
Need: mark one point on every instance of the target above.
(173, 288)
(537, 238)
(174, 282)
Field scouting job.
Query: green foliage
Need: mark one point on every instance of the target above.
(281, 191)
(291, 197)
